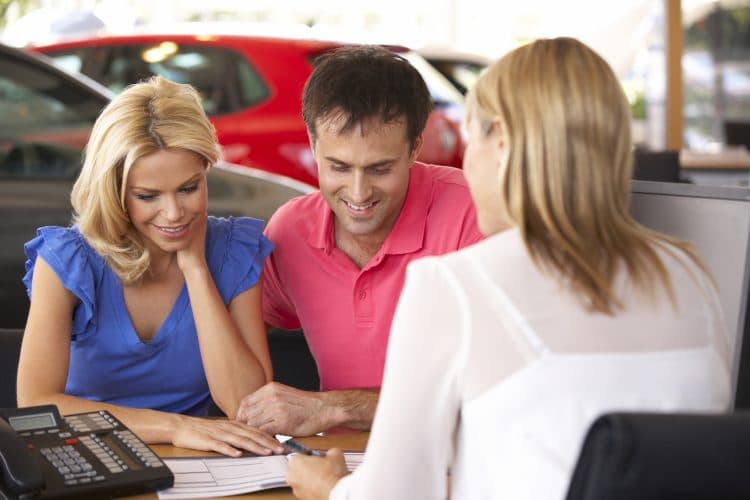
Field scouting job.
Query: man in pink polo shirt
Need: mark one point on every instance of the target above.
(341, 254)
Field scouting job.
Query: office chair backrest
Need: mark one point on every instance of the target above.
(292, 362)
(10, 348)
(663, 166)
(737, 133)
(652, 456)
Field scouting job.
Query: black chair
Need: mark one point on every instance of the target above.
(10, 349)
(292, 363)
(291, 359)
(661, 166)
(737, 133)
(652, 456)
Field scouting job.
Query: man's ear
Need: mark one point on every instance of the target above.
(311, 139)
(417, 148)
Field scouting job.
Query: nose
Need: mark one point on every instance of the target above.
(172, 208)
(361, 189)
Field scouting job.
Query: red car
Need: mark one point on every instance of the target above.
(251, 88)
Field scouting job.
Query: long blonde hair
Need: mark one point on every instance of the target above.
(566, 181)
(146, 117)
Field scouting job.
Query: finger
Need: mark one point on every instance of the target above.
(252, 439)
(224, 448)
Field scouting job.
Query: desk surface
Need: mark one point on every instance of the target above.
(730, 159)
(345, 439)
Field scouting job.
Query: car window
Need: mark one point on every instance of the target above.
(224, 79)
(44, 121)
(441, 89)
(462, 74)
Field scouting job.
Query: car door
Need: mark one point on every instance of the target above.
(45, 120)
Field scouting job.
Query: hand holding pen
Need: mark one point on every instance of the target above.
(296, 447)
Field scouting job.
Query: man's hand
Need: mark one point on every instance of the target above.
(280, 409)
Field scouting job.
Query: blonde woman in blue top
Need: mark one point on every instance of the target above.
(147, 307)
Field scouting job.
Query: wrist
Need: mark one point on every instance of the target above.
(332, 412)
(195, 271)
(173, 423)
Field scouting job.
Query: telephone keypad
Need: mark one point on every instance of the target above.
(73, 467)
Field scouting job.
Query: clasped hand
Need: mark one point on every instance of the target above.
(279, 409)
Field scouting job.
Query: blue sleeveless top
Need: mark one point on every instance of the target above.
(108, 361)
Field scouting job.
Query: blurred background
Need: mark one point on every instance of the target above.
(630, 34)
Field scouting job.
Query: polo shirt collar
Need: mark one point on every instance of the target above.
(407, 234)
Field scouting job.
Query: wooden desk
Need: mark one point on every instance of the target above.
(726, 168)
(731, 159)
(348, 440)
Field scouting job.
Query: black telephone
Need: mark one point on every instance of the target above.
(43, 455)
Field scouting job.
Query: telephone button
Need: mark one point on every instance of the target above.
(71, 441)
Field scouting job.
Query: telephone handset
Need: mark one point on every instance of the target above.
(21, 473)
(43, 455)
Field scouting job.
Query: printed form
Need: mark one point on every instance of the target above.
(199, 477)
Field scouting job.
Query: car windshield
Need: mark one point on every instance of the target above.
(44, 121)
(32, 100)
(442, 90)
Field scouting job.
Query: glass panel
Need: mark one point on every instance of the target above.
(716, 73)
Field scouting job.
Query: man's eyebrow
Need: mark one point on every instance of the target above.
(379, 163)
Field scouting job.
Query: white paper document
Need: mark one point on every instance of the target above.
(201, 477)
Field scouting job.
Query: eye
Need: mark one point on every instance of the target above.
(337, 167)
(145, 197)
(189, 189)
(380, 170)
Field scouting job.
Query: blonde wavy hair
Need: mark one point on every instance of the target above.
(565, 183)
(145, 118)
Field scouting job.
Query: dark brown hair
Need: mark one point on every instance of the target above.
(362, 82)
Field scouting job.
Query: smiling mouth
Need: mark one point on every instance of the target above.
(360, 207)
(172, 230)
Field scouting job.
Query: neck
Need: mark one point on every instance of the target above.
(161, 265)
(359, 248)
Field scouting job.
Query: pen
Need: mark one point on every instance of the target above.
(297, 447)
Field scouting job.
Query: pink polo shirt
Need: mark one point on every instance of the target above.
(346, 312)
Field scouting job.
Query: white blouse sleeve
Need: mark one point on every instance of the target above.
(411, 443)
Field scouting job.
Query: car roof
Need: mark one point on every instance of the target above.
(40, 60)
(222, 32)
(200, 34)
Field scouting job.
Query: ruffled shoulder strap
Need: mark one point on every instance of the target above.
(77, 265)
(236, 251)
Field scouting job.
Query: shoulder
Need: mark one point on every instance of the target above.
(505, 250)
(62, 247)
(234, 234)
(441, 175)
(304, 213)
(445, 186)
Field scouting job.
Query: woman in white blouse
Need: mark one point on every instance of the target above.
(503, 353)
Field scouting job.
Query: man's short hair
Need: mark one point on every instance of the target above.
(362, 82)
